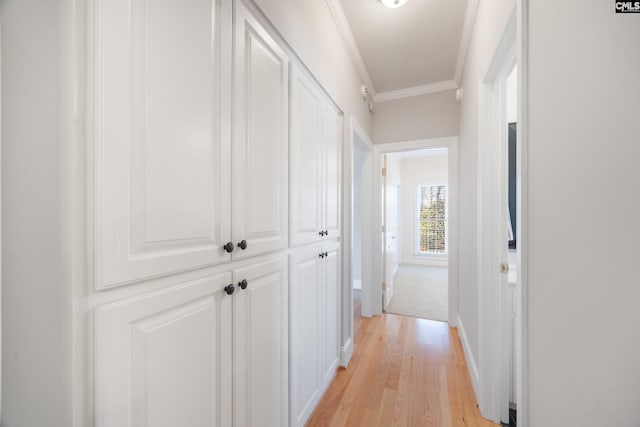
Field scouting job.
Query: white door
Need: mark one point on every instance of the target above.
(332, 147)
(261, 143)
(306, 160)
(160, 137)
(330, 286)
(164, 359)
(305, 329)
(391, 235)
(260, 344)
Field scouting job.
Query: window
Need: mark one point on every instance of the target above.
(432, 219)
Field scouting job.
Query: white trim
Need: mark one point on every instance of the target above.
(465, 38)
(468, 355)
(353, 130)
(346, 351)
(491, 249)
(522, 220)
(335, 6)
(394, 147)
(415, 91)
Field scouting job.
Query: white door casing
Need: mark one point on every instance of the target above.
(161, 137)
(260, 143)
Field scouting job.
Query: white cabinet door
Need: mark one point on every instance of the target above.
(161, 137)
(332, 148)
(261, 142)
(164, 359)
(330, 266)
(260, 315)
(305, 332)
(306, 160)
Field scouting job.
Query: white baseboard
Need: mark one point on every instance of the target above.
(471, 361)
(430, 262)
(346, 351)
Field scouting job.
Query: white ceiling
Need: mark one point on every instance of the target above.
(414, 45)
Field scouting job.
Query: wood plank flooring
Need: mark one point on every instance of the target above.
(404, 372)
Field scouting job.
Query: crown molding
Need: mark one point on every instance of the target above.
(465, 38)
(415, 91)
(347, 34)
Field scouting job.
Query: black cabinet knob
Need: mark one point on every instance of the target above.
(326, 254)
(242, 245)
(321, 233)
(326, 232)
(243, 284)
(228, 247)
(229, 289)
(321, 254)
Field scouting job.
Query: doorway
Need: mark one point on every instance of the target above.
(382, 239)
(415, 206)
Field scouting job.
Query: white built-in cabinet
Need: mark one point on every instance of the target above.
(316, 141)
(199, 353)
(173, 190)
(213, 157)
(315, 279)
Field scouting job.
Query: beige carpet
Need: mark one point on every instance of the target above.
(420, 291)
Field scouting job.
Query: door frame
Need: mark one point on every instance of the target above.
(508, 50)
(393, 147)
(355, 136)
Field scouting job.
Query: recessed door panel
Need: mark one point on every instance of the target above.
(161, 138)
(305, 346)
(332, 146)
(164, 359)
(306, 165)
(261, 367)
(260, 145)
(330, 289)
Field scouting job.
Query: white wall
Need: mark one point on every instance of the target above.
(35, 302)
(584, 187)
(309, 28)
(357, 213)
(414, 172)
(418, 117)
(489, 16)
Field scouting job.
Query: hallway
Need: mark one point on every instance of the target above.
(404, 372)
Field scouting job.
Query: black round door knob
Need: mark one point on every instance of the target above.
(321, 233)
(243, 245)
(228, 247)
(321, 254)
(326, 232)
(326, 254)
(229, 289)
(243, 284)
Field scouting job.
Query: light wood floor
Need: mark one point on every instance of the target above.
(404, 372)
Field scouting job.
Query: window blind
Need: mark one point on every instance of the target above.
(432, 219)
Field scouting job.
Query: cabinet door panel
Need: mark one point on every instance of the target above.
(161, 137)
(332, 145)
(164, 359)
(305, 349)
(261, 144)
(330, 289)
(306, 164)
(260, 315)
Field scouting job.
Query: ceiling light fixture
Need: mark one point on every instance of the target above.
(393, 3)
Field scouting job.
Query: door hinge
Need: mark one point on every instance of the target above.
(384, 171)
(504, 268)
(383, 286)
